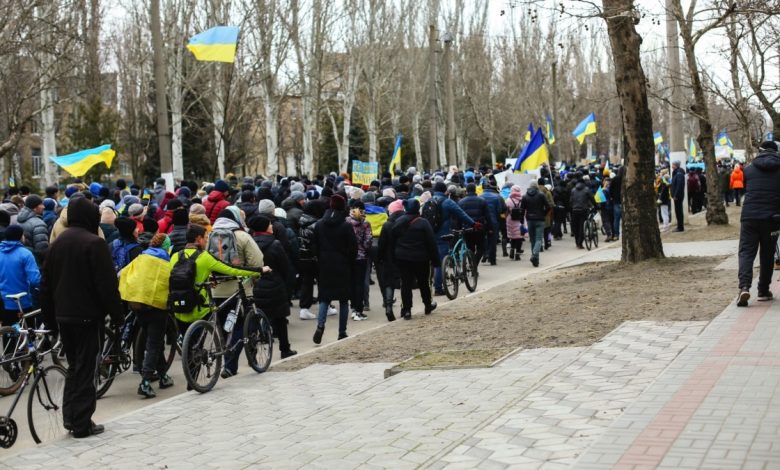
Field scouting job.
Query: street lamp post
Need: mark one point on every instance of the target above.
(451, 147)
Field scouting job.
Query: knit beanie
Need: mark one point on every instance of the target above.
(33, 201)
(266, 207)
(125, 226)
(13, 233)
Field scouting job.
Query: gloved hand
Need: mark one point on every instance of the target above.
(477, 226)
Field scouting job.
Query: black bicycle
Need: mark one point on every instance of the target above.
(44, 402)
(591, 231)
(206, 343)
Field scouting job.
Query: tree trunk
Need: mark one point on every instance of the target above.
(417, 143)
(163, 130)
(641, 237)
(271, 132)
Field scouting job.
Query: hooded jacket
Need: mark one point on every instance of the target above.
(737, 180)
(270, 291)
(178, 237)
(249, 254)
(78, 280)
(534, 205)
(449, 210)
(762, 188)
(18, 273)
(36, 233)
(336, 248)
(214, 205)
(414, 240)
(62, 224)
(294, 212)
(581, 197)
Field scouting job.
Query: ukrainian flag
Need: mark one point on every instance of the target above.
(586, 127)
(79, 163)
(692, 148)
(600, 197)
(534, 154)
(396, 161)
(658, 138)
(550, 132)
(217, 44)
(529, 132)
(724, 141)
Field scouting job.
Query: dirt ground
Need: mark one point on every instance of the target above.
(571, 307)
(696, 229)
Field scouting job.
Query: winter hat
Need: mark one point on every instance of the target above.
(337, 203)
(180, 217)
(369, 198)
(297, 196)
(395, 206)
(221, 186)
(70, 190)
(198, 209)
(135, 210)
(388, 192)
(33, 201)
(184, 192)
(266, 207)
(107, 215)
(533, 185)
(413, 207)
(259, 223)
(94, 188)
(280, 213)
(107, 203)
(226, 213)
(312, 194)
(13, 233)
(440, 187)
(237, 214)
(49, 204)
(471, 188)
(173, 204)
(516, 189)
(297, 187)
(125, 226)
(150, 225)
(769, 145)
(327, 192)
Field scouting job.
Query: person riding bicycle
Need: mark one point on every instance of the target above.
(18, 273)
(415, 251)
(477, 208)
(449, 210)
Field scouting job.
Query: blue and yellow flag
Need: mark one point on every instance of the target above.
(530, 132)
(658, 138)
(724, 141)
(585, 128)
(217, 44)
(534, 154)
(79, 163)
(692, 148)
(600, 197)
(550, 131)
(396, 161)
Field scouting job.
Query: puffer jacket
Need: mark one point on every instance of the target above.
(18, 273)
(581, 198)
(249, 255)
(363, 235)
(178, 238)
(762, 193)
(36, 233)
(214, 205)
(513, 230)
(737, 178)
(270, 291)
(534, 205)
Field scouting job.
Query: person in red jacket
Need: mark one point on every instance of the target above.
(217, 200)
(737, 183)
(166, 223)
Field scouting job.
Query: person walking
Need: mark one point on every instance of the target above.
(533, 208)
(678, 194)
(515, 223)
(757, 222)
(415, 251)
(496, 209)
(36, 232)
(388, 274)
(18, 273)
(663, 197)
(364, 237)
(477, 208)
(336, 249)
(447, 210)
(78, 289)
(581, 201)
(737, 183)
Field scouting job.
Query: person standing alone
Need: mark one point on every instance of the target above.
(678, 194)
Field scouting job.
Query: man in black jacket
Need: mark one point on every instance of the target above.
(534, 207)
(415, 252)
(761, 204)
(78, 288)
(581, 201)
(678, 194)
(476, 208)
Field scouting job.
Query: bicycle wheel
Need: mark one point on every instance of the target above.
(108, 365)
(201, 355)
(170, 344)
(470, 274)
(44, 405)
(258, 339)
(12, 372)
(588, 235)
(595, 234)
(449, 277)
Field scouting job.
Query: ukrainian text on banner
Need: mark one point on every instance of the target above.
(364, 173)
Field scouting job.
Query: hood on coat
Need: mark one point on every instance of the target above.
(225, 224)
(333, 218)
(216, 196)
(764, 162)
(200, 219)
(532, 191)
(579, 186)
(25, 215)
(82, 213)
(7, 246)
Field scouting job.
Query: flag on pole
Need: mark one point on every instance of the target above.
(79, 163)
(11, 182)
(725, 141)
(530, 132)
(534, 154)
(600, 197)
(692, 148)
(217, 44)
(550, 131)
(658, 138)
(585, 128)
(396, 156)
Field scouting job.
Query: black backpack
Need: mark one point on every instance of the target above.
(515, 213)
(306, 237)
(182, 296)
(432, 212)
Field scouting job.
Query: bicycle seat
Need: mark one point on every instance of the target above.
(16, 296)
(449, 236)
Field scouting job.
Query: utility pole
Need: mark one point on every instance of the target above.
(160, 87)
(676, 141)
(451, 150)
(554, 147)
(432, 139)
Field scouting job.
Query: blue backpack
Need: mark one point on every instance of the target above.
(120, 253)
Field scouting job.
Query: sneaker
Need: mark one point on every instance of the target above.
(356, 316)
(343, 336)
(290, 353)
(145, 389)
(318, 334)
(93, 430)
(307, 315)
(226, 374)
(742, 298)
(764, 296)
(535, 262)
(165, 381)
(430, 308)
(438, 292)
(362, 316)
(332, 310)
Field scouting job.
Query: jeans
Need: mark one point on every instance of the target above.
(535, 234)
(665, 215)
(322, 315)
(153, 323)
(755, 236)
(444, 248)
(617, 215)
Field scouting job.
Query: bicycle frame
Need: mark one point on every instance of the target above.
(241, 298)
(35, 365)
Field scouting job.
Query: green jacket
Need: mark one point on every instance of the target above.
(205, 265)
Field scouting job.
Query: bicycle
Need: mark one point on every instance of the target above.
(124, 346)
(458, 265)
(203, 348)
(44, 404)
(591, 231)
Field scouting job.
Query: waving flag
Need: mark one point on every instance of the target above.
(534, 154)
(79, 163)
(585, 128)
(658, 138)
(600, 197)
(692, 148)
(396, 161)
(529, 133)
(550, 132)
(217, 44)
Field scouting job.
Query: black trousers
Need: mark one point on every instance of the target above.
(279, 326)
(679, 211)
(755, 237)
(414, 273)
(475, 241)
(559, 221)
(492, 241)
(578, 218)
(308, 272)
(359, 268)
(81, 343)
(152, 321)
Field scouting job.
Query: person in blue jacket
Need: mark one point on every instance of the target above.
(450, 210)
(18, 273)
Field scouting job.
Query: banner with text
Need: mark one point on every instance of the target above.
(364, 173)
